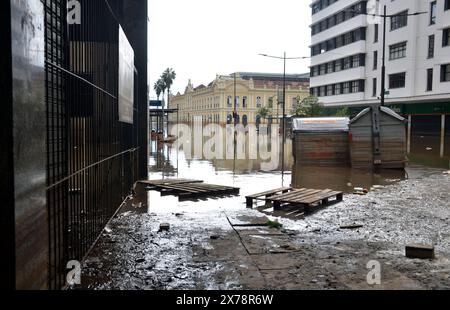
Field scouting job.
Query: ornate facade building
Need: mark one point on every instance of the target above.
(214, 103)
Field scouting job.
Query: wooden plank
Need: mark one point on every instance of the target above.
(300, 198)
(168, 182)
(271, 192)
(318, 195)
(291, 195)
(319, 198)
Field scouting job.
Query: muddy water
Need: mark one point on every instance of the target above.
(168, 162)
(202, 251)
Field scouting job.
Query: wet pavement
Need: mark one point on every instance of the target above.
(220, 244)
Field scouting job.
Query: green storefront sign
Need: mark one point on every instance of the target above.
(421, 108)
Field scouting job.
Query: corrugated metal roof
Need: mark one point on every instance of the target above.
(382, 109)
(321, 124)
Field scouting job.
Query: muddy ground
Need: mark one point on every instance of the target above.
(220, 249)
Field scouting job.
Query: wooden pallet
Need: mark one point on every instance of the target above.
(186, 189)
(264, 195)
(297, 197)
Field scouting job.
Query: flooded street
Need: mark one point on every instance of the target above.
(221, 244)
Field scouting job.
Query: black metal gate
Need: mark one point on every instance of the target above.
(91, 156)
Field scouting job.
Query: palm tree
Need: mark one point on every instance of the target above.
(159, 87)
(264, 113)
(168, 77)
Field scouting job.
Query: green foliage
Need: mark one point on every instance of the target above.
(274, 224)
(264, 112)
(159, 87)
(309, 107)
(344, 112)
(167, 78)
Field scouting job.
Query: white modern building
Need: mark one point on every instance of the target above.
(346, 62)
(347, 46)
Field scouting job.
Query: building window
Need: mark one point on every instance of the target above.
(447, 5)
(374, 87)
(397, 51)
(330, 90)
(230, 101)
(375, 60)
(244, 102)
(431, 46)
(429, 79)
(258, 102)
(346, 88)
(446, 37)
(355, 86)
(355, 61)
(338, 89)
(397, 80)
(375, 40)
(399, 21)
(330, 67)
(345, 39)
(433, 13)
(347, 63)
(445, 73)
(338, 65)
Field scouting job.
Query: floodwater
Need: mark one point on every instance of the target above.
(168, 162)
(204, 250)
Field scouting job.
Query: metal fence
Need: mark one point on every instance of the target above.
(91, 156)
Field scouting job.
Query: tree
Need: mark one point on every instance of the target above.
(264, 112)
(168, 77)
(309, 107)
(159, 88)
(344, 112)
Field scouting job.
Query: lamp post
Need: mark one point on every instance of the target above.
(284, 58)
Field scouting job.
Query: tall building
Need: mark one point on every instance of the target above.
(346, 52)
(214, 103)
(346, 62)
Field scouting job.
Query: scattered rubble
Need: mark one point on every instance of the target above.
(420, 251)
(164, 227)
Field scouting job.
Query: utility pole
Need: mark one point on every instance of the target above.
(235, 115)
(284, 115)
(383, 67)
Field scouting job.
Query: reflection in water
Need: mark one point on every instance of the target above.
(342, 178)
(166, 161)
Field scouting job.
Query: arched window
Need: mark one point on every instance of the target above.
(245, 120)
(258, 121)
(258, 102)
(229, 119)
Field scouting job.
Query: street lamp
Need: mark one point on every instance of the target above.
(284, 58)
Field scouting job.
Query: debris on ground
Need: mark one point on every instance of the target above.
(164, 227)
(360, 191)
(420, 251)
(274, 224)
(352, 226)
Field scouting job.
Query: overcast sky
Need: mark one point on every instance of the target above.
(202, 38)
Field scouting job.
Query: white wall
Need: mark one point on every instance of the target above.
(415, 64)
